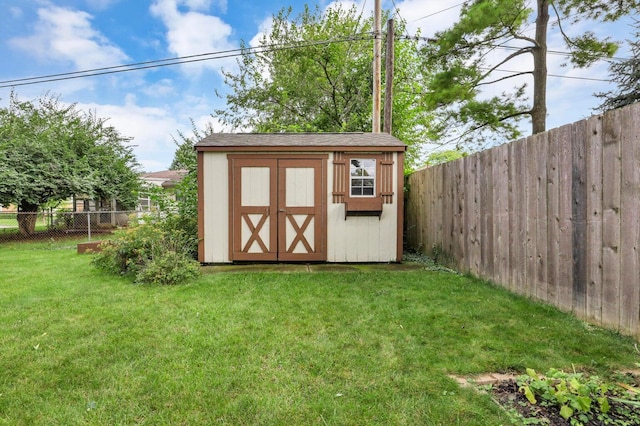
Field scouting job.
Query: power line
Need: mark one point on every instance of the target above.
(569, 77)
(506, 47)
(436, 13)
(174, 61)
(228, 54)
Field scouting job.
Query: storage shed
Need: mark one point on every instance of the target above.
(300, 197)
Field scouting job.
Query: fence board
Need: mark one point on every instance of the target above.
(611, 166)
(501, 214)
(531, 211)
(458, 215)
(486, 222)
(521, 213)
(473, 212)
(629, 219)
(541, 216)
(579, 217)
(565, 264)
(594, 220)
(553, 217)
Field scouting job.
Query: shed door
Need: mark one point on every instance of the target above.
(278, 209)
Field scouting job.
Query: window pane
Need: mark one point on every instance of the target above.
(363, 172)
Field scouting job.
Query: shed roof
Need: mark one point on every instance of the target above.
(299, 142)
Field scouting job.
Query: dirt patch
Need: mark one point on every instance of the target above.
(505, 392)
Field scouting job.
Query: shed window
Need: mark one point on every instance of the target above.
(363, 177)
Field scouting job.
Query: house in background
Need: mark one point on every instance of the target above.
(321, 197)
(165, 179)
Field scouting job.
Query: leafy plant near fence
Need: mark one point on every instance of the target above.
(580, 399)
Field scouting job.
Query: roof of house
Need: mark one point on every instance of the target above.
(174, 175)
(299, 141)
(165, 178)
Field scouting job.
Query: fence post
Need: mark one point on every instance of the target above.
(89, 226)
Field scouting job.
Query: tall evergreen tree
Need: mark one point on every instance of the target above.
(626, 75)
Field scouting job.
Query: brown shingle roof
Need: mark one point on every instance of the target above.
(293, 141)
(174, 175)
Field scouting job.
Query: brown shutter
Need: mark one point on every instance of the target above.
(340, 177)
(386, 178)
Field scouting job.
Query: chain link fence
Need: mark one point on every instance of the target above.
(92, 225)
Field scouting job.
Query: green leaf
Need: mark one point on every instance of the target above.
(603, 402)
(566, 412)
(528, 394)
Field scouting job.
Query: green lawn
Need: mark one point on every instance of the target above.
(8, 221)
(82, 347)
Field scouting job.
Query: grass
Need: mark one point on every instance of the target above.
(82, 347)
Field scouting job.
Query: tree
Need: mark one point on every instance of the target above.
(185, 156)
(49, 152)
(458, 57)
(626, 75)
(313, 73)
(441, 157)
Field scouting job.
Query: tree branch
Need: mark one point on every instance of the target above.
(505, 60)
(504, 78)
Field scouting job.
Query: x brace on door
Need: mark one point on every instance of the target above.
(299, 233)
(255, 232)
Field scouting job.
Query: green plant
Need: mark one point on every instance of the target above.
(168, 268)
(579, 398)
(150, 252)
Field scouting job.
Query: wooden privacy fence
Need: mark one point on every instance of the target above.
(555, 216)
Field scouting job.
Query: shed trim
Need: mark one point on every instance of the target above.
(299, 148)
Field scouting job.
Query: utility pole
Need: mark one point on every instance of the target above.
(388, 77)
(377, 67)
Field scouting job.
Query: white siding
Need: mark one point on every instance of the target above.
(361, 238)
(216, 207)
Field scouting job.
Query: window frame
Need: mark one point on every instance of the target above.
(364, 178)
(363, 205)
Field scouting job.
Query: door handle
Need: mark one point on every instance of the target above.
(282, 210)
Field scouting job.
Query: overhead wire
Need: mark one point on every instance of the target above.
(180, 60)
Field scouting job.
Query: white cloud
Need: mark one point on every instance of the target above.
(67, 35)
(264, 28)
(101, 4)
(16, 12)
(160, 89)
(150, 127)
(193, 33)
(153, 128)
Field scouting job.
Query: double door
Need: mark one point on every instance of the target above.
(278, 208)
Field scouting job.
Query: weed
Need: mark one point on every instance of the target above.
(578, 397)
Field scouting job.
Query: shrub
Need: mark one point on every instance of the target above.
(168, 268)
(150, 252)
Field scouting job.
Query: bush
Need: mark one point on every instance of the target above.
(150, 252)
(168, 268)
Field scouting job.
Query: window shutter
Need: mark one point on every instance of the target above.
(340, 177)
(386, 178)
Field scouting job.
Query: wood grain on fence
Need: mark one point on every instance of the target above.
(555, 216)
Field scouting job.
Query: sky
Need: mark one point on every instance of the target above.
(45, 37)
